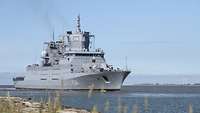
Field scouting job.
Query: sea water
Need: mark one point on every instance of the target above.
(118, 101)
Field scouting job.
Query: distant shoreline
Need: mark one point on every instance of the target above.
(12, 86)
(144, 88)
(7, 86)
(165, 88)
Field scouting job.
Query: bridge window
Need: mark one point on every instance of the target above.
(85, 54)
(88, 54)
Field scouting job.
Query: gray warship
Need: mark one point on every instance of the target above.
(70, 64)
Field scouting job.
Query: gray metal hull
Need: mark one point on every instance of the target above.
(109, 80)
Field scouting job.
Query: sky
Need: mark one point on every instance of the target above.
(158, 37)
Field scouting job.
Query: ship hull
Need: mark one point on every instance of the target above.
(103, 80)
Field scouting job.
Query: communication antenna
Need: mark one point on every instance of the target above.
(53, 35)
(94, 42)
(126, 62)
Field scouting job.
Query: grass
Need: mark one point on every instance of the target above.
(14, 105)
(53, 105)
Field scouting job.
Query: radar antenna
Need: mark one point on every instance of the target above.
(78, 24)
(126, 62)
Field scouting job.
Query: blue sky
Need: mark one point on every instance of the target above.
(158, 36)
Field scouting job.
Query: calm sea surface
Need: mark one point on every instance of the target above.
(120, 101)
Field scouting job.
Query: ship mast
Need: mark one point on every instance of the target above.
(78, 29)
(53, 36)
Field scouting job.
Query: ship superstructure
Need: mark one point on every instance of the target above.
(70, 63)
